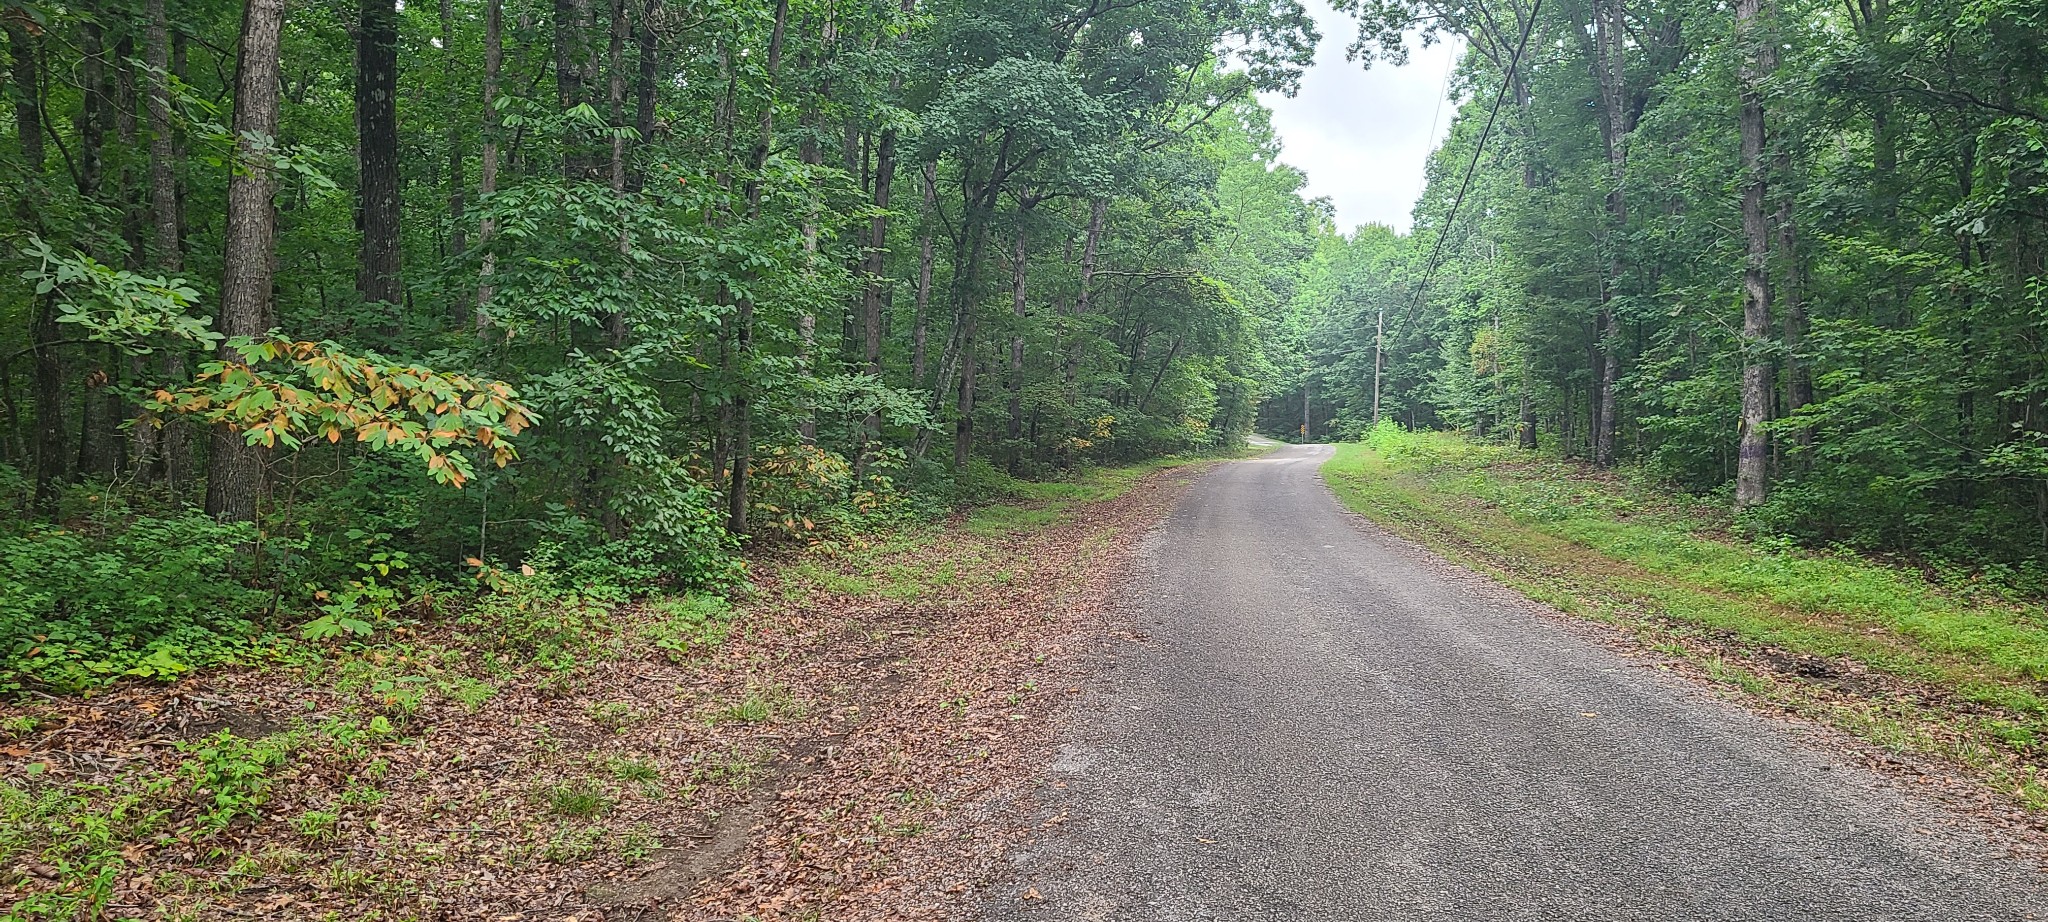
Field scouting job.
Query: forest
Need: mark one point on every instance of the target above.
(635, 459)
(1788, 255)
(317, 314)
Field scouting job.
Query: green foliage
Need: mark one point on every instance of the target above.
(654, 338)
(143, 596)
(116, 306)
(283, 393)
(576, 799)
(1903, 285)
(317, 825)
(80, 832)
(688, 625)
(230, 776)
(1628, 552)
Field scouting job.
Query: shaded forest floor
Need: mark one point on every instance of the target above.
(841, 743)
(1940, 682)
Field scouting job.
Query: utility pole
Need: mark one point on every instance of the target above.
(1379, 361)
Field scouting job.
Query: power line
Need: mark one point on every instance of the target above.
(1436, 117)
(1514, 63)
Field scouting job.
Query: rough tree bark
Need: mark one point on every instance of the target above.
(99, 401)
(1609, 30)
(569, 77)
(1020, 259)
(1752, 460)
(921, 316)
(487, 160)
(377, 198)
(458, 242)
(237, 475)
(25, 84)
(615, 99)
(166, 246)
(875, 263)
(644, 86)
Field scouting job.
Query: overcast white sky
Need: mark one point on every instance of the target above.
(1363, 136)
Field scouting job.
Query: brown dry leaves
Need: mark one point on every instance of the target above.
(844, 755)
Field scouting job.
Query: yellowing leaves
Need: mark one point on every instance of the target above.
(284, 391)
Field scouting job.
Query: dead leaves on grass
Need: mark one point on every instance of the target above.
(839, 753)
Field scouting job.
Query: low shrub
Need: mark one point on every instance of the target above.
(150, 596)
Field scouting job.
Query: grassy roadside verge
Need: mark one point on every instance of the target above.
(559, 753)
(1956, 672)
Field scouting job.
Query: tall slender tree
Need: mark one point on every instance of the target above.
(237, 474)
(378, 196)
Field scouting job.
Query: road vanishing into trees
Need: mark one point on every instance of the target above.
(1320, 722)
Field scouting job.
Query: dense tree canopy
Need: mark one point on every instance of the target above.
(1788, 250)
(606, 287)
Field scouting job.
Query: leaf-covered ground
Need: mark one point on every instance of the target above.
(847, 742)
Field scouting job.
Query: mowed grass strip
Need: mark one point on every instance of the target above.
(1974, 658)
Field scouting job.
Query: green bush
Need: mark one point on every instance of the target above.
(153, 597)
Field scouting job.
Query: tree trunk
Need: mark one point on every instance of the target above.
(615, 98)
(126, 134)
(1020, 258)
(1160, 375)
(876, 257)
(1379, 359)
(99, 402)
(1610, 50)
(237, 477)
(743, 334)
(1791, 298)
(1307, 419)
(1753, 455)
(459, 234)
(1091, 247)
(615, 92)
(874, 263)
(963, 423)
(968, 251)
(487, 160)
(166, 237)
(142, 439)
(49, 370)
(644, 88)
(1526, 431)
(570, 38)
(92, 109)
(921, 318)
(378, 194)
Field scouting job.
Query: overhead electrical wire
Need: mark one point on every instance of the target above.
(1514, 63)
(1436, 118)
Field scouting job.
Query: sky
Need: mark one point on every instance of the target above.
(1363, 136)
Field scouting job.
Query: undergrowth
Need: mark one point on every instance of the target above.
(1676, 571)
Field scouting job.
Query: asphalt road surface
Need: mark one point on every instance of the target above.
(1323, 723)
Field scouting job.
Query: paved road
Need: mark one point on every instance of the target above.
(1325, 724)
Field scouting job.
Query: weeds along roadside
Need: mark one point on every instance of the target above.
(1951, 667)
(294, 764)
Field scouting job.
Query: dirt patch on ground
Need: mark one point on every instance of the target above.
(842, 754)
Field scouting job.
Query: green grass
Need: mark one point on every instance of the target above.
(921, 563)
(1626, 552)
(1033, 504)
(762, 704)
(576, 799)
